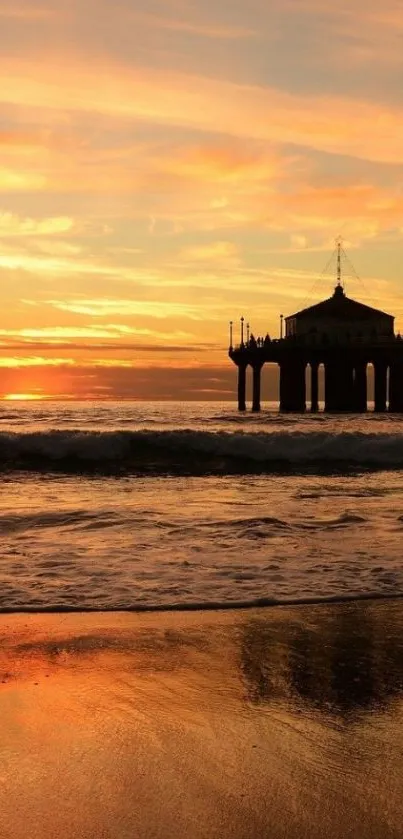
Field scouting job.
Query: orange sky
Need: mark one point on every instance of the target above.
(168, 165)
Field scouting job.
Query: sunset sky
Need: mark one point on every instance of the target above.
(169, 165)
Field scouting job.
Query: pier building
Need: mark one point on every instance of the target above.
(341, 334)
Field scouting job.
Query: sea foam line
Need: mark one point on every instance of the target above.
(202, 606)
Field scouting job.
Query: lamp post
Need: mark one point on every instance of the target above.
(242, 322)
(281, 326)
(230, 333)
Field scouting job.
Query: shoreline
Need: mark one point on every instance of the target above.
(224, 606)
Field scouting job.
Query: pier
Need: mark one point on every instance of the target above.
(341, 334)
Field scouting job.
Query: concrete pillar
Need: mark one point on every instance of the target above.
(396, 387)
(380, 382)
(330, 386)
(292, 386)
(347, 387)
(300, 386)
(257, 369)
(314, 386)
(339, 386)
(360, 387)
(285, 386)
(242, 387)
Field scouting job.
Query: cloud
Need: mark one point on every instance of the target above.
(14, 180)
(356, 18)
(34, 361)
(11, 345)
(362, 209)
(298, 241)
(21, 141)
(331, 124)
(111, 162)
(228, 162)
(101, 307)
(342, 34)
(13, 225)
(65, 332)
(217, 253)
(195, 27)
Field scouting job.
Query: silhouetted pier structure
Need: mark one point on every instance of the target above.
(341, 334)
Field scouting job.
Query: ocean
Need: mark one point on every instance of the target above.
(192, 505)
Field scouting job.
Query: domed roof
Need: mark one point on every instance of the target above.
(341, 308)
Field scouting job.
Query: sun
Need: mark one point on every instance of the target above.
(22, 397)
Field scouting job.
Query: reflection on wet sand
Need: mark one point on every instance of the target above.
(280, 723)
(344, 661)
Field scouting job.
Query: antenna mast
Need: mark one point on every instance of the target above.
(339, 244)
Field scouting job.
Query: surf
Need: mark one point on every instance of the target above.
(190, 451)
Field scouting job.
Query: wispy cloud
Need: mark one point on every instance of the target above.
(101, 307)
(34, 361)
(13, 225)
(328, 123)
(196, 26)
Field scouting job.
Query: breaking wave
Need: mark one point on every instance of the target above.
(191, 452)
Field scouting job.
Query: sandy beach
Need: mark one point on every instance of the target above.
(281, 722)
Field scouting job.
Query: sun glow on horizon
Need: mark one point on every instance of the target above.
(23, 397)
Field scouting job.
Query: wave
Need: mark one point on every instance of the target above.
(67, 519)
(213, 605)
(191, 452)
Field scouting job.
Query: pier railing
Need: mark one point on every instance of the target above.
(317, 341)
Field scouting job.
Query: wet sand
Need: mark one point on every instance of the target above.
(282, 722)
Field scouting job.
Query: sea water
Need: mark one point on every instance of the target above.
(148, 505)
